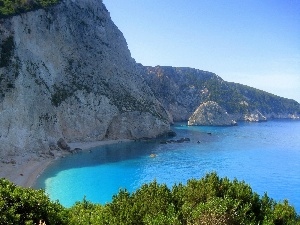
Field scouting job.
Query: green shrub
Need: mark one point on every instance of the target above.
(210, 200)
(27, 206)
(60, 95)
(14, 7)
(86, 212)
(7, 49)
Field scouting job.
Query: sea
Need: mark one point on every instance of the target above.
(265, 155)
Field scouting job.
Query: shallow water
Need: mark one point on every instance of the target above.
(264, 155)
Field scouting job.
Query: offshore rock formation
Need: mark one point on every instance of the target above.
(66, 71)
(210, 113)
(183, 90)
(256, 116)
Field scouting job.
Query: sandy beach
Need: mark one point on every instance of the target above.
(24, 169)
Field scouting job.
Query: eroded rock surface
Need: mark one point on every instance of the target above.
(211, 114)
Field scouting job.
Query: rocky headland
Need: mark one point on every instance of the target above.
(204, 98)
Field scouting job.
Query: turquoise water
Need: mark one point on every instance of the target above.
(264, 155)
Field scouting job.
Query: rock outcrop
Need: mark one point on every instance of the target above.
(62, 144)
(66, 71)
(255, 116)
(211, 114)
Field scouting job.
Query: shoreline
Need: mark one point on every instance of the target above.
(23, 170)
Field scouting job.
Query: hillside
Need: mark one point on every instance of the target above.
(183, 90)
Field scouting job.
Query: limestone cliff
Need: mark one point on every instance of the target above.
(183, 90)
(180, 90)
(66, 71)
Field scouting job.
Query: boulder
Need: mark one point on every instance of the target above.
(62, 144)
(168, 134)
(53, 146)
(181, 140)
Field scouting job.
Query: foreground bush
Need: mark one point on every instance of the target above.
(27, 206)
(210, 200)
(14, 7)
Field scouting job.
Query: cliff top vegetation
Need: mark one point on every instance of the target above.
(14, 7)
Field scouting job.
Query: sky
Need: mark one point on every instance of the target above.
(252, 42)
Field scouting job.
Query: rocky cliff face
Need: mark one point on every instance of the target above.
(183, 90)
(180, 90)
(66, 71)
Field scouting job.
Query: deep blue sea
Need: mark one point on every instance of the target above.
(265, 155)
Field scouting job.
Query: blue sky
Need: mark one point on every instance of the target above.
(253, 42)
